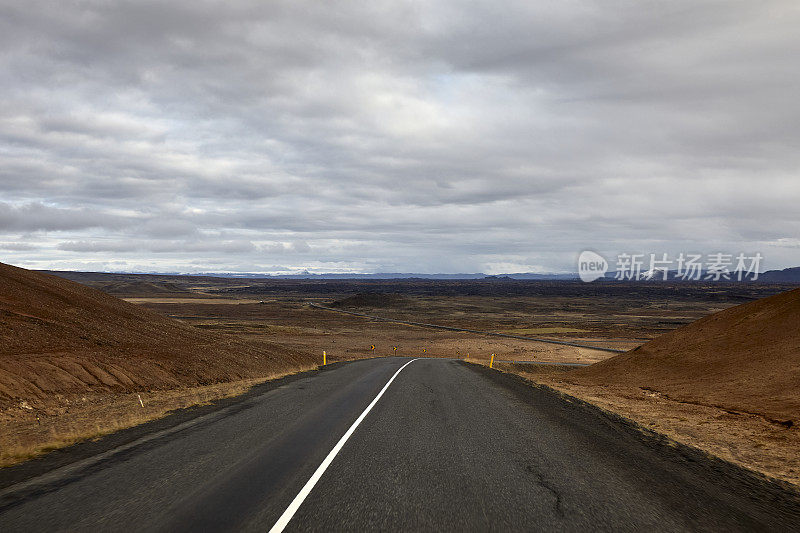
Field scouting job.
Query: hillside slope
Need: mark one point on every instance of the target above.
(745, 358)
(60, 337)
(143, 289)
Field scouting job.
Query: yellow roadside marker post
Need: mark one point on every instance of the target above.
(491, 361)
(324, 358)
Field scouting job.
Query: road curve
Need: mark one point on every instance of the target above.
(448, 447)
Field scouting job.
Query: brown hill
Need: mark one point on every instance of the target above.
(60, 337)
(745, 358)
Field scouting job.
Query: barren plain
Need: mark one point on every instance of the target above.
(277, 312)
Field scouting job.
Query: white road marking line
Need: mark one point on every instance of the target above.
(287, 515)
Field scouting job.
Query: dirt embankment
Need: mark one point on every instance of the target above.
(728, 384)
(59, 337)
(745, 358)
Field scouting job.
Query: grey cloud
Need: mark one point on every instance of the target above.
(94, 246)
(164, 227)
(37, 216)
(159, 246)
(397, 136)
(18, 246)
(298, 247)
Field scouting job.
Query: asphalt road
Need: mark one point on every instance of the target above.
(448, 447)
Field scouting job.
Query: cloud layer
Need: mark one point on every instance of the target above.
(395, 136)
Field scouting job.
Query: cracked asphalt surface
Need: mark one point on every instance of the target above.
(449, 447)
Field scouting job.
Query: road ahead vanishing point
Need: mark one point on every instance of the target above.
(398, 444)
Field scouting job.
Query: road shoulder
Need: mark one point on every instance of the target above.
(643, 427)
(63, 457)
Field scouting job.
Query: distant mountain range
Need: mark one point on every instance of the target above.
(787, 275)
(394, 275)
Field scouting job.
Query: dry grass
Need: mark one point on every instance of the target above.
(206, 301)
(624, 318)
(347, 337)
(89, 417)
(541, 331)
(250, 328)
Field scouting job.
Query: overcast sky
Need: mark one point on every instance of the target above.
(395, 136)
